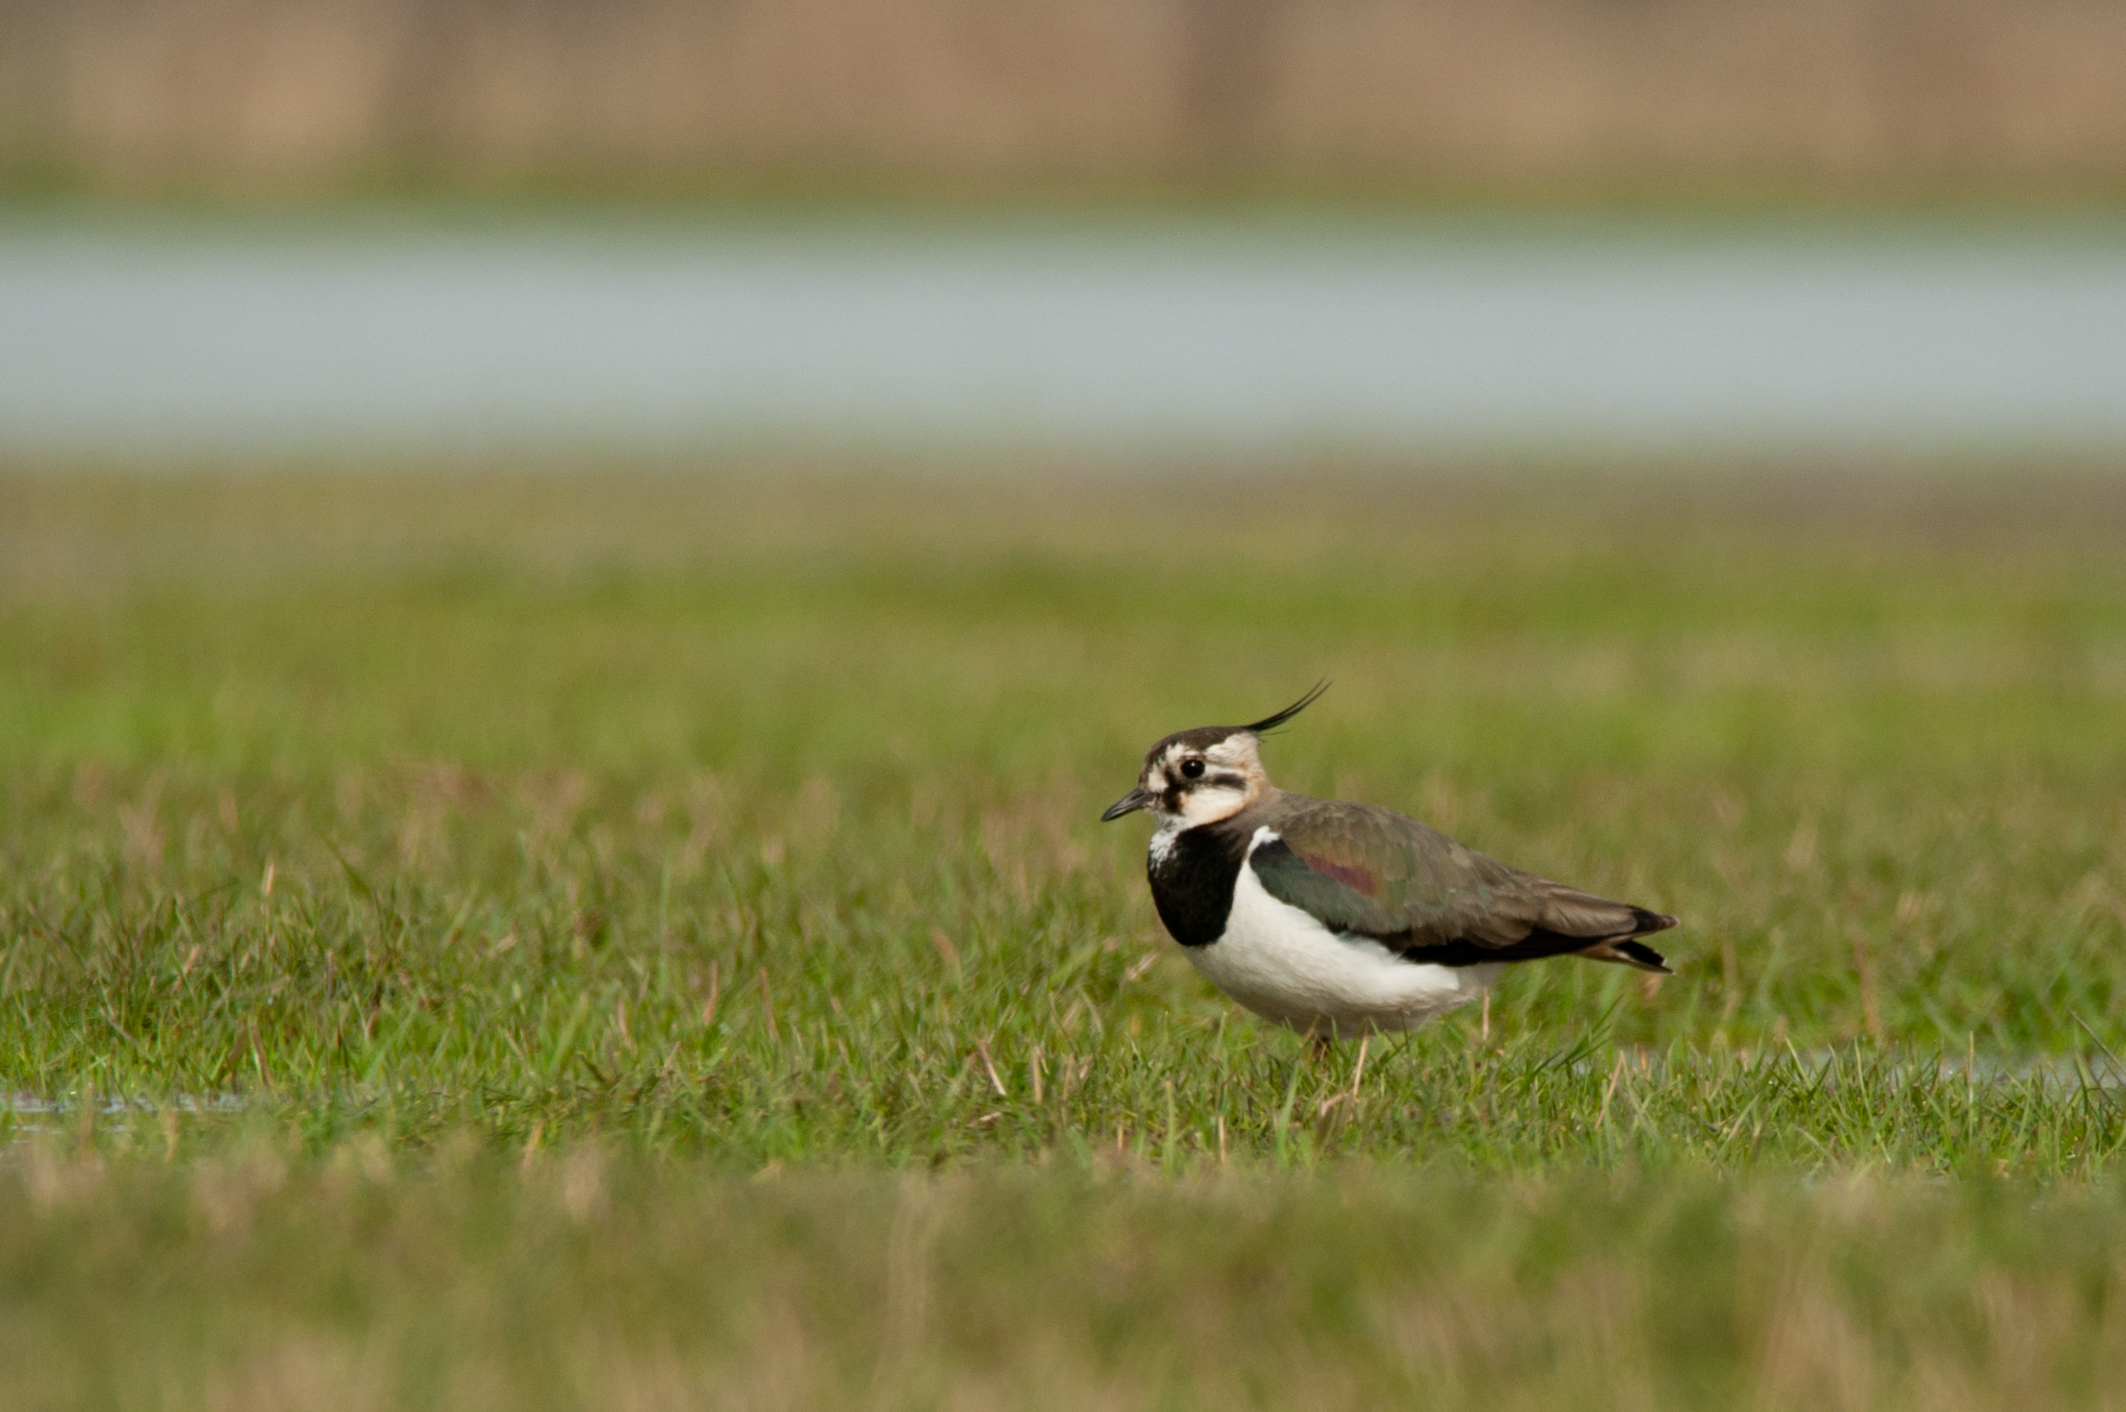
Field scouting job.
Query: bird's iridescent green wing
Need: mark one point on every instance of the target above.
(1369, 871)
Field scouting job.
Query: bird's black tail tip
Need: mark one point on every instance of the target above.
(1642, 955)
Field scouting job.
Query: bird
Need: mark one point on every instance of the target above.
(1337, 919)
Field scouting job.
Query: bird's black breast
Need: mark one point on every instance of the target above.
(1192, 882)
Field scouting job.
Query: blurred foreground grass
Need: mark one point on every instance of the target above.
(375, 839)
(242, 1285)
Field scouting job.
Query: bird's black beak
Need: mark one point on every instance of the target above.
(1129, 803)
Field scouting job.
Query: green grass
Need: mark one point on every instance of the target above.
(373, 840)
(241, 1284)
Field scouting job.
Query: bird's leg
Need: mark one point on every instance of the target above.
(1319, 1046)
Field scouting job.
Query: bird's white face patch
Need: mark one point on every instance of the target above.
(1211, 801)
(1190, 786)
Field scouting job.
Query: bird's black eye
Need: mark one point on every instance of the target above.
(1192, 769)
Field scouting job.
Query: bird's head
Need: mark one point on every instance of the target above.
(1207, 774)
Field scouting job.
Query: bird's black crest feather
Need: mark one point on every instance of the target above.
(1268, 723)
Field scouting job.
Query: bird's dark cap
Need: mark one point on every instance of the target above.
(1204, 737)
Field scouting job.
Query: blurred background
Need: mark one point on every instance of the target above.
(1433, 226)
(1483, 95)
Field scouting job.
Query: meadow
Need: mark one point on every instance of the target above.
(640, 937)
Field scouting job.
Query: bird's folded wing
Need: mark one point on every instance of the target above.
(1372, 872)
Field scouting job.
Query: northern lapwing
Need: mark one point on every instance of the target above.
(1339, 919)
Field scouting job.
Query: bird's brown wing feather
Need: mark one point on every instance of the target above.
(1372, 872)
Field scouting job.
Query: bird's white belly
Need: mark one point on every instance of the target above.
(1283, 964)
